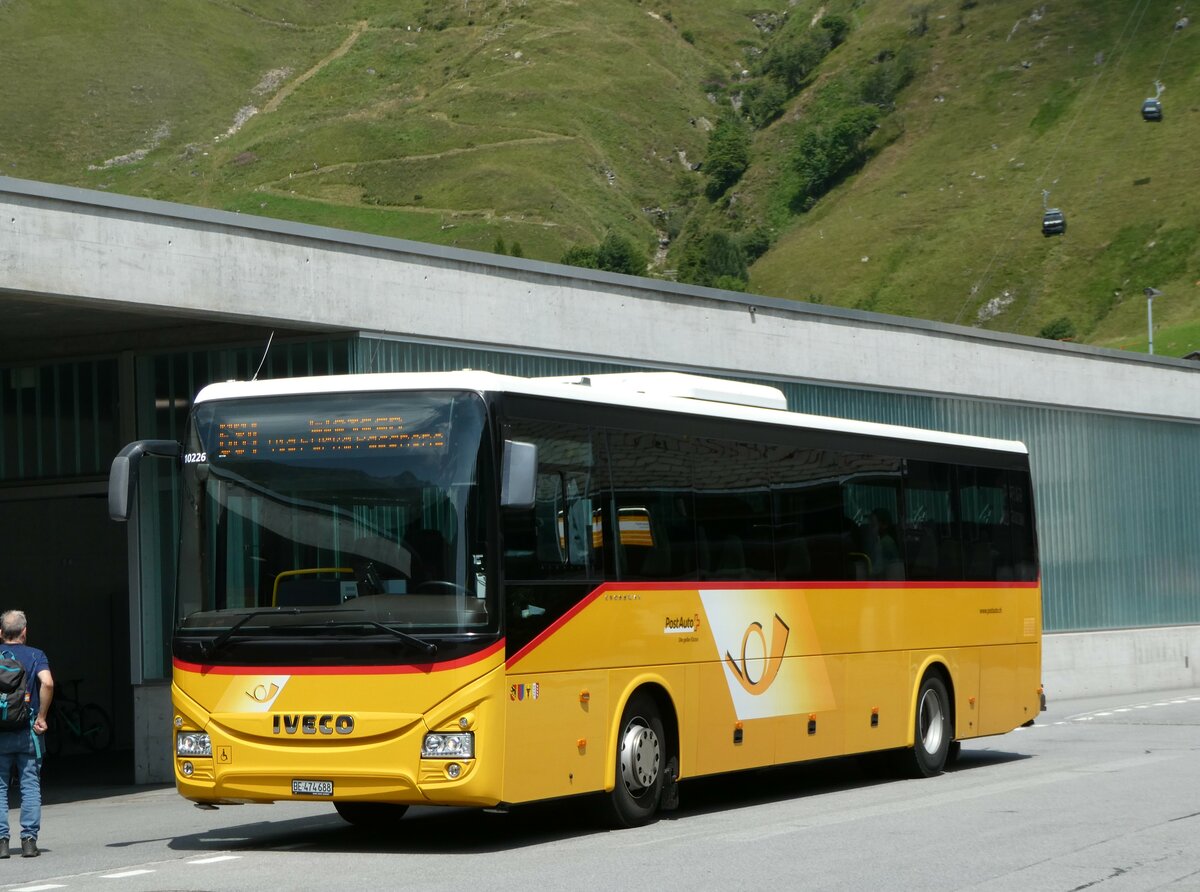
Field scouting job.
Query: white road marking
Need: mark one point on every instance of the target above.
(215, 859)
(39, 888)
(123, 874)
(1088, 716)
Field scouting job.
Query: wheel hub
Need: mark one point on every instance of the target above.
(640, 757)
(931, 722)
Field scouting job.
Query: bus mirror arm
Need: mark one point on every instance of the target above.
(123, 475)
(518, 475)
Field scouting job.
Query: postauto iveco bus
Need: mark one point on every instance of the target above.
(468, 589)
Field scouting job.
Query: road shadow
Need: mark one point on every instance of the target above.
(84, 776)
(450, 831)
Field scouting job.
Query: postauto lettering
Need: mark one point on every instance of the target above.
(312, 724)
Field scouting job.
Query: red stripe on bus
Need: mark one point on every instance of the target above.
(565, 618)
(405, 669)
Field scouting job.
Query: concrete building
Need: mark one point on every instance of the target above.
(117, 310)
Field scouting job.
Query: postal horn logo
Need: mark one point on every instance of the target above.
(754, 680)
(263, 693)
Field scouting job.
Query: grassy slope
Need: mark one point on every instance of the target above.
(549, 123)
(944, 223)
(546, 123)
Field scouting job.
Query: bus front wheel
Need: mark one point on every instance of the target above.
(641, 763)
(932, 732)
(370, 815)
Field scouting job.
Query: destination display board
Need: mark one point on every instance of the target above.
(248, 438)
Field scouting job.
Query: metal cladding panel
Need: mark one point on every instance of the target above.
(1116, 497)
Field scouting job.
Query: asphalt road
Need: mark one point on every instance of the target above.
(1098, 795)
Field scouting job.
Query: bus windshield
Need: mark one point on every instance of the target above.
(335, 516)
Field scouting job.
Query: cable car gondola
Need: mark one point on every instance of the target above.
(1053, 222)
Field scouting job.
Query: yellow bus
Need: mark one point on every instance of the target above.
(467, 589)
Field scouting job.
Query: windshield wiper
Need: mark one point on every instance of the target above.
(221, 640)
(413, 641)
(425, 647)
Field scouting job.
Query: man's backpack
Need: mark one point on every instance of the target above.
(14, 693)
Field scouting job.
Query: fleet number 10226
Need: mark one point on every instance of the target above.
(195, 458)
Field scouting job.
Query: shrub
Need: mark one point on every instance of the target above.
(580, 255)
(827, 152)
(792, 59)
(727, 157)
(755, 243)
(618, 254)
(1061, 329)
(712, 257)
(763, 101)
(837, 27)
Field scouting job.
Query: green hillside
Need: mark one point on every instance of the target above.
(862, 153)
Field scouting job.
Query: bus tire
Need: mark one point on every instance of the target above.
(641, 763)
(932, 732)
(370, 815)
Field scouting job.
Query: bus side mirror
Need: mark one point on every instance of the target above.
(123, 475)
(518, 475)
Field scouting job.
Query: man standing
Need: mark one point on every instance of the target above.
(23, 748)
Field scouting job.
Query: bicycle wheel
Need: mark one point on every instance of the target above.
(95, 728)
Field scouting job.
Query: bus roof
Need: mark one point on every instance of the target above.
(661, 391)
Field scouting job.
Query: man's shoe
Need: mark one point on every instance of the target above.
(4, 847)
(29, 847)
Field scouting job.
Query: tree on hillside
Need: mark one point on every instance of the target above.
(727, 157)
(714, 258)
(580, 255)
(838, 27)
(763, 101)
(793, 58)
(618, 254)
(886, 77)
(827, 151)
(615, 254)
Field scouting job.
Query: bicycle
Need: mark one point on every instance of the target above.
(86, 724)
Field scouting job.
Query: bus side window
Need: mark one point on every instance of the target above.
(733, 511)
(652, 478)
(554, 539)
(931, 528)
(810, 538)
(1018, 508)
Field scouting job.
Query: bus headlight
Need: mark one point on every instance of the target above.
(192, 743)
(459, 745)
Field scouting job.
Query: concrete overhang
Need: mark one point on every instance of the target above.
(77, 263)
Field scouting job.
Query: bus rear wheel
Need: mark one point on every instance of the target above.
(641, 764)
(370, 815)
(932, 732)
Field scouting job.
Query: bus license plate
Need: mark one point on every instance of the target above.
(312, 788)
